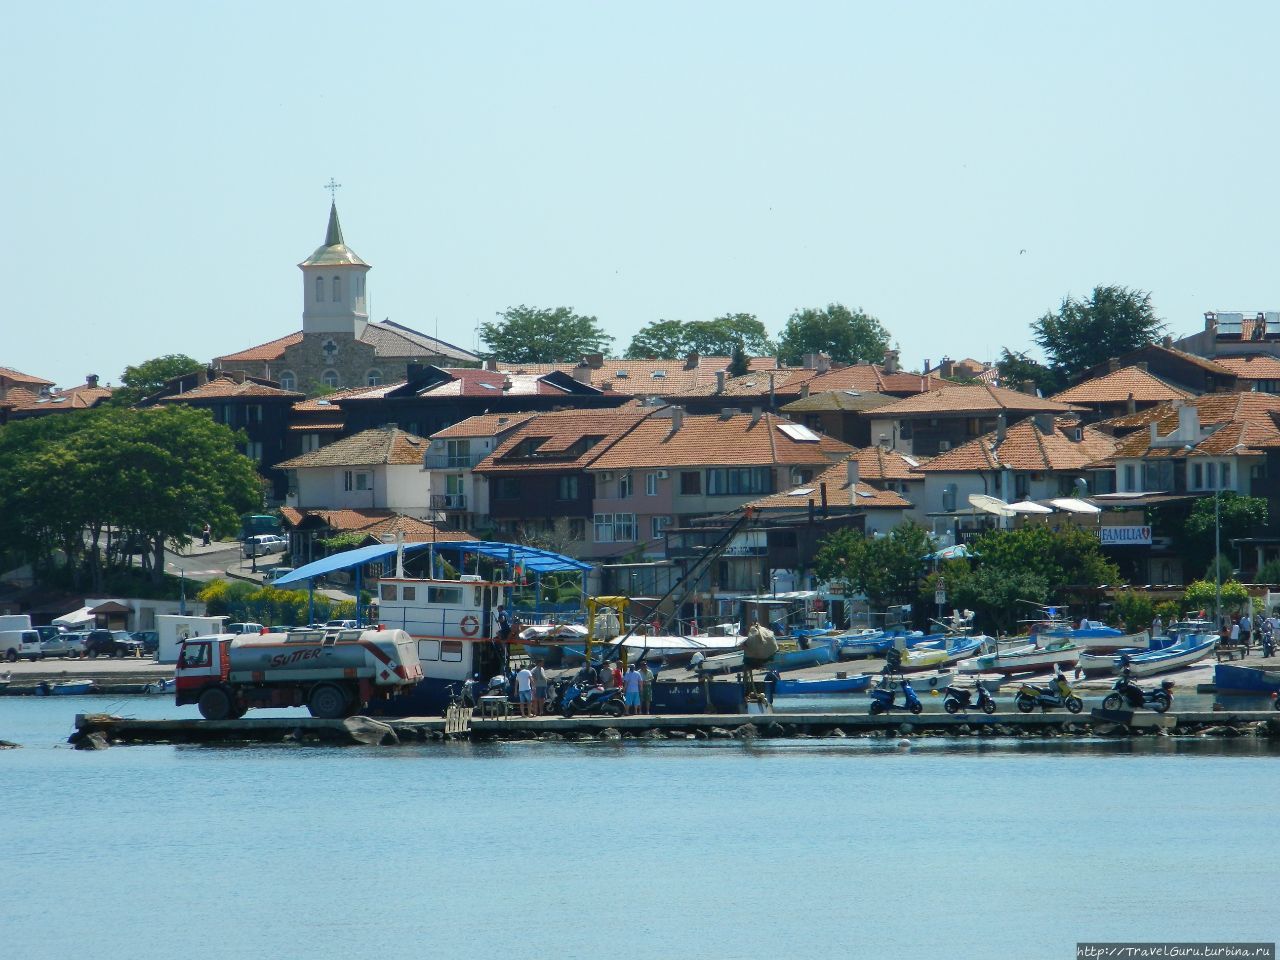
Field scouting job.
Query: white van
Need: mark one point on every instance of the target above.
(20, 643)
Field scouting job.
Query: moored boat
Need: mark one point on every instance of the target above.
(1032, 658)
(65, 688)
(921, 683)
(1188, 650)
(822, 685)
(1232, 678)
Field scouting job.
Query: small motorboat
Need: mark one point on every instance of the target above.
(161, 687)
(1188, 650)
(935, 654)
(64, 688)
(822, 685)
(1032, 658)
(921, 683)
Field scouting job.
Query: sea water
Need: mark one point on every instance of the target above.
(803, 848)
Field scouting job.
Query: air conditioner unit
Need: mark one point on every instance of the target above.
(944, 444)
(663, 474)
(604, 475)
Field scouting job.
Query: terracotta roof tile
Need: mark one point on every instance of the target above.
(579, 437)
(872, 377)
(879, 464)
(830, 400)
(389, 445)
(717, 441)
(271, 350)
(637, 377)
(8, 373)
(1026, 447)
(376, 522)
(759, 383)
(1254, 367)
(327, 403)
(483, 425)
(836, 479)
(1247, 418)
(73, 398)
(971, 399)
(226, 387)
(1119, 386)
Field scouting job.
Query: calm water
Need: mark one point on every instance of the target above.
(799, 849)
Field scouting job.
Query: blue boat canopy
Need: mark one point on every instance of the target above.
(530, 558)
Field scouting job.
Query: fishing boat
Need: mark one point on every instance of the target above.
(64, 688)
(1031, 658)
(933, 654)
(822, 685)
(921, 683)
(1115, 641)
(1104, 664)
(790, 656)
(1188, 650)
(1231, 678)
(160, 687)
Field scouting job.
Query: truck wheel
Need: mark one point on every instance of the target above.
(11, 656)
(214, 704)
(327, 701)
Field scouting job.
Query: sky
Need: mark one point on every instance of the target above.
(953, 169)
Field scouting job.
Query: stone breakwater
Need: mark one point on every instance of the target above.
(97, 731)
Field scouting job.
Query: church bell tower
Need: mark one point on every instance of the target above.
(333, 286)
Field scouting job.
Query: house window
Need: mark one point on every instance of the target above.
(253, 450)
(373, 378)
(337, 289)
(362, 481)
(253, 413)
(657, 526)
(457, 454)
(650, 484)
(577, 529)
(506, 488)
(387, 591)
(690, 483)
(615, 527)
(1197, 476)
(1226, 476)
(453, 484)
(1213, 476)
(567, 488)
(319, 289)
(330, 378)
(1021, 487)
(310, 441)
(359, 286)
(348, 481)
(624, 486)
(1130, 477)
(730, 481)
(949, 498)
(288, 381)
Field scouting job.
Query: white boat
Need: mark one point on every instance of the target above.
(1190, 649)
(161, 687)
(1032, 658)
(922, 683)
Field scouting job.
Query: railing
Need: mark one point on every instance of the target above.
(441, 461)
(448, 501)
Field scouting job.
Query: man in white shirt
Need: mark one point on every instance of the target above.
(524, 690)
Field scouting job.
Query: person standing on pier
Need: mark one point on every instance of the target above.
(631, 682)
(539, 688)
(524, 688)
(646, 687)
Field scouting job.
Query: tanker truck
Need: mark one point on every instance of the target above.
(333, 673)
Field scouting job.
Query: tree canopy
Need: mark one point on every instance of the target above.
(883, 569)
(1017, 367)
(149, 376)
(1239, 516)
(1084, 333)
(534, 335)
(99, 486)
(675, 339)
(847, 336)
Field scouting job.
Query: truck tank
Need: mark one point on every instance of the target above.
(385, 657)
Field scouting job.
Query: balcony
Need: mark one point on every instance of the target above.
(448, 501)
(443, 461)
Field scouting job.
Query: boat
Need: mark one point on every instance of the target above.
(1031, 658)
(822, 685)
(934, 654)
(921, 683)
(1104, 664)
(1231, 678)
(1188, 650)
(1114, 641)
(790, 657)
(167, 685)
(64, 688)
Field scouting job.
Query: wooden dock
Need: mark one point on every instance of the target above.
(119, 730)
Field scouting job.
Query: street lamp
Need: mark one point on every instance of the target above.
(182, 590)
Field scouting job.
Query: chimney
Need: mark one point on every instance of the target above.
(582, 372)
(925, 368)
(1188, 424)
(824, 363)
(947, 368)
(891, 361)
(1131, 405)
(1002, 424)
(677, 419)
(884, 441)
(1211, 321)
(720, 375)
(506, 384)
(593, 360)
(414, 370)
(236, 375)
(756, 414)
(92, 380)
(691, 361)
(851, 467)
(1029, 387)
(804, 391)
(491, 364)
(1113, 364)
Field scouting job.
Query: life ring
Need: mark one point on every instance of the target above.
(470, 625)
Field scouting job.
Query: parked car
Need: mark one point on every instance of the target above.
(340, 624)
(19, 643)
(57, 642)
(246, 627)
(111, 643)
(275, 573)
(261, 544)
(75, 643)
(150, 640)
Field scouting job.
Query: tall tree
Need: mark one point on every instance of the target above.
(532, 335)
(847, 336)
(674, 339)
(149, 376)
(1084, 333)
(883, 569)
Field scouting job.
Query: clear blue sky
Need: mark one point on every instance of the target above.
(163, 165)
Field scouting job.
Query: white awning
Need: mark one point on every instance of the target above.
(990, 504)
(75, 618)
(1029, 506)
(1072, 505)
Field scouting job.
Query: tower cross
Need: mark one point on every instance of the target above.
(332, 186)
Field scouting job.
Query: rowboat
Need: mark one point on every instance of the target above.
(817, 654)
(1029, 659)
(64, 688)
(1103, 664)
(825, 685)
(1097, 642)
(921, 683)
(160, 687)
(1188, 650)
(934, 654)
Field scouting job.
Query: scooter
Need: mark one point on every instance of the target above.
(1059, 694)
(1127, 693)
(958, 699)
(1268, 644)
(882, 700)
(577, 699)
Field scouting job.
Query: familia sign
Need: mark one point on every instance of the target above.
(1125, 536)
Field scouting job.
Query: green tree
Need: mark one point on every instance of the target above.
(533, 335)
(1066, 558)
(1239, 516)
(1136, 610)
(1084, 333)
(1016, 368)
(739, 365)
(149, 376)
(676, 339)
(1269, 572)
(998, 595)
(1202, 594)
(883, 569)
(847, 336)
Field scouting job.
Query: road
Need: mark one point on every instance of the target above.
(220, 559)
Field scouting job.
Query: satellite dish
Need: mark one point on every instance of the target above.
(990, 505)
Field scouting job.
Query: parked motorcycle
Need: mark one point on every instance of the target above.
(1057, 694)
(959, 699)
(883, 700)
(591, 700)
(1127, 693)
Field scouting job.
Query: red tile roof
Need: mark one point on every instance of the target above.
(984, 398)
(381, 445)
(836, 480)
(73, 398)
(880, 464)
(1241, 418)
(8, 373)
(375, 522)
(483, 425)
(264, 352)
(718, 441)
(637, 377)
(576, 436)
(872, 377)
(1254, 367)
(1119, 386)
(221, 387)
(1026, 447)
